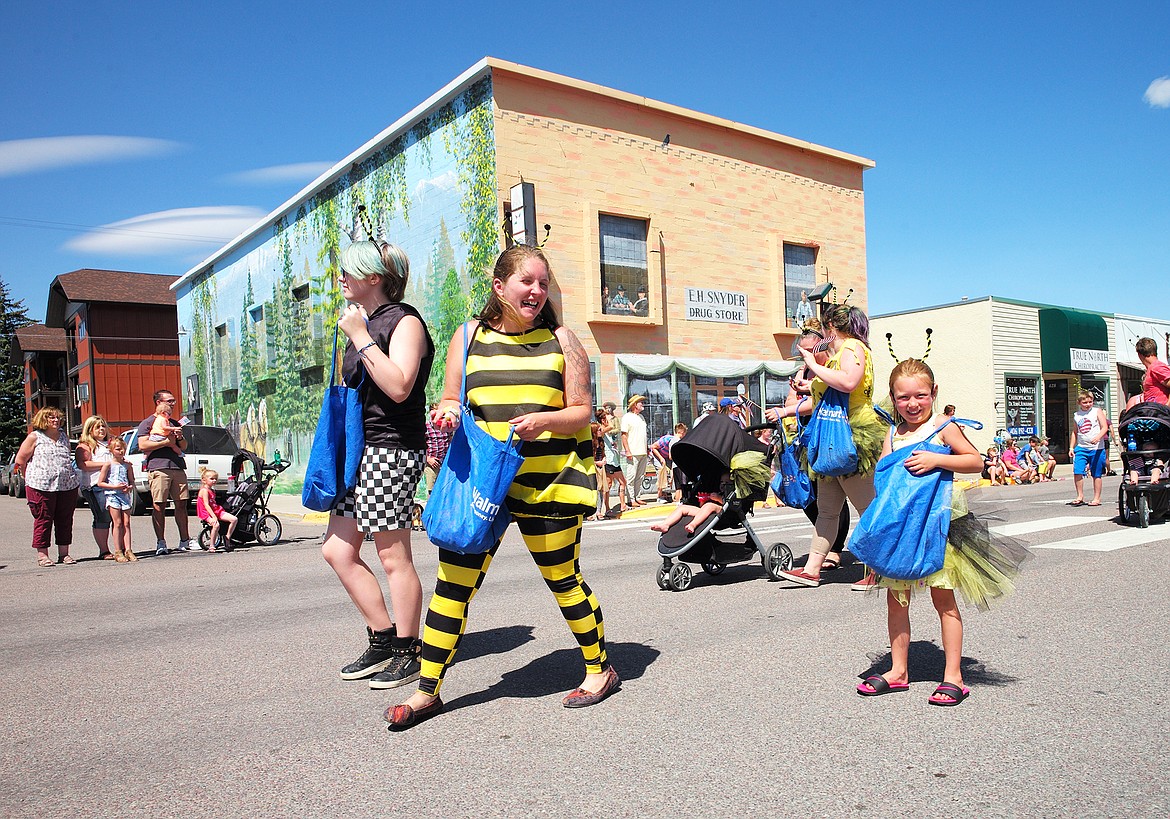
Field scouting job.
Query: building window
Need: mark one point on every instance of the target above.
(624, 274)
(800, 276)
(659, 411)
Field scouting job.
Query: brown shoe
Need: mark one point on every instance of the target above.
(402, 717)
(580, 698)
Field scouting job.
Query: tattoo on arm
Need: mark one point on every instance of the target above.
(578, 390)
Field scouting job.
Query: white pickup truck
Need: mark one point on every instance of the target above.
(211, 447)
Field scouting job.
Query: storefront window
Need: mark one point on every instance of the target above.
(659, 412)
(624, 274)
(775, 390)
(678, 395)
(686, 407)
(1020, 402)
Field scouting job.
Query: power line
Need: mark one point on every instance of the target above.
(68, 227)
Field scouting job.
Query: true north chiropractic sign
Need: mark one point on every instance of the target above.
(704, 304)
(1090, 361)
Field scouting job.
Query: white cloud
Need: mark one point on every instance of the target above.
(442, 182)
(25, 156)
(169, 231)
(1158, 94)
(296, 172)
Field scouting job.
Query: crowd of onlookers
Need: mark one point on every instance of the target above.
(1008, 462)
(57, 475)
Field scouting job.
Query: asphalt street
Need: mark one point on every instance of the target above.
(207, 685)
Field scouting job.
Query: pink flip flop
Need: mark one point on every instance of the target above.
(879, 685)
(957, 694)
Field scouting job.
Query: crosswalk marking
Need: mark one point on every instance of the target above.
(1043, 525)
(1109, 541)
(796, 527)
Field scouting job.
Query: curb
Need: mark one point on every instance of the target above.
(649, 511)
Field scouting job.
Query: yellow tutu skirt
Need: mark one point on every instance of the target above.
(980, 567)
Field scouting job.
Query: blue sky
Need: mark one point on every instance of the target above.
(1022, 149)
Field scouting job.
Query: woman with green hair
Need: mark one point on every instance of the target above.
(388, 360)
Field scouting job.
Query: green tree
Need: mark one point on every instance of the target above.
(202, 345)
(249, 356)
(291, 406)
(472, 141)
(13, 425)
(452, 311)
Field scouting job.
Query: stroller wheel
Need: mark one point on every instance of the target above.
(714, 569)
(664, 578)
(1143, 511)
(680, 577)
(778, 559)
(268, 530)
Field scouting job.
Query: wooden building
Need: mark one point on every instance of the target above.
(118, 344)
(41, 352)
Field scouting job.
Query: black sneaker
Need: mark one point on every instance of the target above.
(373, 659)
(404, 668)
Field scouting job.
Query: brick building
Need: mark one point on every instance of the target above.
(680, 244)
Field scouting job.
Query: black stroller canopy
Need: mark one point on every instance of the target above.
(705, 452)
(1151, 410)
(251, 457)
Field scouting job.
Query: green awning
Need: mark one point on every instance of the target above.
(1062, 331)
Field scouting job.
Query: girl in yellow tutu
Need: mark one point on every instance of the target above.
(974, 566)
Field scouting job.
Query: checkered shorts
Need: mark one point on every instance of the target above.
(384, 495)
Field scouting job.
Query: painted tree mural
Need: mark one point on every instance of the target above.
(432, 190)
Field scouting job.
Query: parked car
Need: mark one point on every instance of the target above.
(211, 447)
(6, 465)
(13, 479)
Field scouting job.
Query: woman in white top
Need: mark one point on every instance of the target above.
(50, 484)
(93, 451)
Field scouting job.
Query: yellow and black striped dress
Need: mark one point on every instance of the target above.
(513, 374)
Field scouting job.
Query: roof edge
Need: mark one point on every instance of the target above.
(1001, 300)
(440, 97)
(676, 110)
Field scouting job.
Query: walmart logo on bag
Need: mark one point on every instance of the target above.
(484, 508)
(832, 412)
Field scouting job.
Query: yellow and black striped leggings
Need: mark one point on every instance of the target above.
(555, 544)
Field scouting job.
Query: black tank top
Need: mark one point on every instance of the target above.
(387, 422)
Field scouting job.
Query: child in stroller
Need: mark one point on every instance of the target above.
(1145, 431)
(709, 503)
(721, 462)
(248, 501)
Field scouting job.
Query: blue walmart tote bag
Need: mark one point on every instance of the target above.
(903, 533)
(337, 444)
(466, 512)
(792, 484)
(829, 438)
